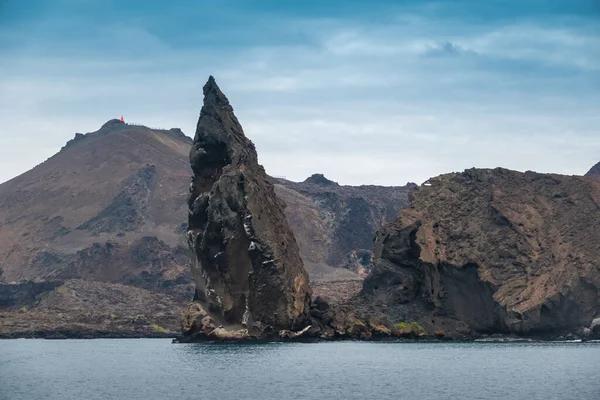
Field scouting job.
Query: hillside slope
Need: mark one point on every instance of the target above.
(334, 224)
(108, 207)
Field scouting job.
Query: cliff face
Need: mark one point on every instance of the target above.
(492, 251)
(246, 266)
(335, 224)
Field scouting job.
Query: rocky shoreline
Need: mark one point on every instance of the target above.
(478, 252)
(84, 334)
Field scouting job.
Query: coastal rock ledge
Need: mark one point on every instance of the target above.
(249, 277)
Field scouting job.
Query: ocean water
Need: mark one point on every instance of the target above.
(158, 369)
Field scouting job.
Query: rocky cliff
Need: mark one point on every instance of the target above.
(335, 224)
(492, 251)
(248, 272)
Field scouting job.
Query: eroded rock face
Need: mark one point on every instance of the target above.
(128, 210)
(335, 224)
(493, 251)
(246, 264)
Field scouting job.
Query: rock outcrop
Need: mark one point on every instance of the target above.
(246, 266)
(487, 251)
(25, 293)
(335, 224)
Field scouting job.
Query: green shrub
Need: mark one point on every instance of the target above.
(408, 328)
(401, 326)
(159, 329)
(416, 327)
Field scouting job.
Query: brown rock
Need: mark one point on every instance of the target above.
(439, 333)
(381, 331)
(221, 333)
(112, 204)
(492, 250)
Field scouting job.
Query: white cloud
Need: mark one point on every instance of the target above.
(360, 103)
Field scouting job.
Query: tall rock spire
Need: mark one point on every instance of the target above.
(246, 264)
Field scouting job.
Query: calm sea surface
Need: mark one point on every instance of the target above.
(157, 369)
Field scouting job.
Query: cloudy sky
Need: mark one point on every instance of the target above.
(377, 91)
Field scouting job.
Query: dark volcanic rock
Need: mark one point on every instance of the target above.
(247, 268)
(25, 293)
(335, 224)
(595, 171)
(492, 251)
(319, 179)
(128, 210)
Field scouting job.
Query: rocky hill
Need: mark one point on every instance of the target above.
(487, 251)
(109, 208)
(594, 171)
(335, 224)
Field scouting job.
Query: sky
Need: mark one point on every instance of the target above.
(365, 92)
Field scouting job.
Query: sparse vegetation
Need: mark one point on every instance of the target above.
(401, 326)
(159, 329)
(409, 328)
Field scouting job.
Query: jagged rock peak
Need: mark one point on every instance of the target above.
(218, 133)
(246, 264)
(319, 179)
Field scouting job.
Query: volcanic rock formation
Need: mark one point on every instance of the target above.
(106, 209)
(247, 269)
(115, 189)
(113, 211)
(492, 251)
(335, 224)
